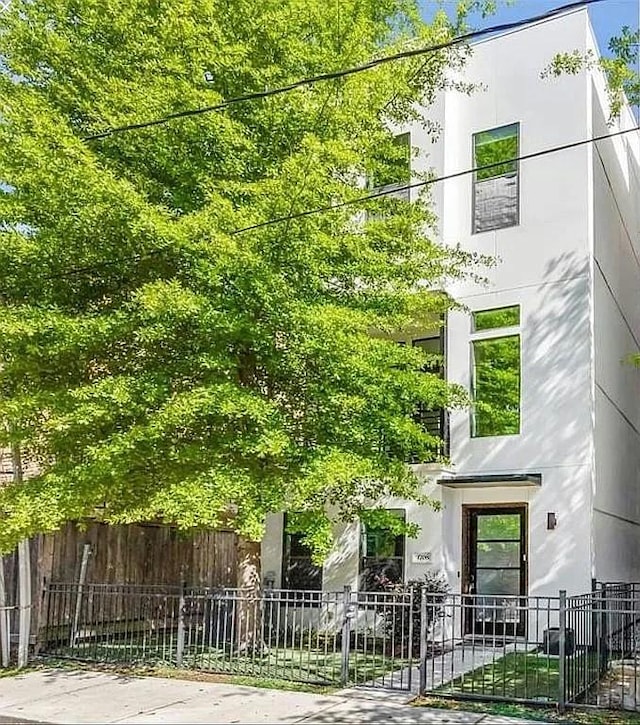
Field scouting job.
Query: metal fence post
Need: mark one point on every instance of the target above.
(604, 635)
(5, 622)
(562, 653)
(423, 639)
(346, 635)
(180, 636)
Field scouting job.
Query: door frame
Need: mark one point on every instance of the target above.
(521, 507)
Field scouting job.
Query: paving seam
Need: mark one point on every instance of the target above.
(307, 718)
(148, 711)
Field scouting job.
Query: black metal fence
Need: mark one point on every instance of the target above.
(491, 648)
(539, 650)
(602, 639)
(564, 651)
(310, 636)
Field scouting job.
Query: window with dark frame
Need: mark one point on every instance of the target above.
(496, 187)
(395, 172)
(298, 570)
(381, 556)
(432, 419)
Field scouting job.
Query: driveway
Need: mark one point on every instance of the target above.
(51, 696)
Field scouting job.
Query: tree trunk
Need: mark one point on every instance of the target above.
(249, 603)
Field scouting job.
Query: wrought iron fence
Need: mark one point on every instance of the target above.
(542, 650)
(564, 651)
(490, 647)
(604, 669)
(310, 636)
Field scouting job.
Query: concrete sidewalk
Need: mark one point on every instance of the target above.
(53, 696)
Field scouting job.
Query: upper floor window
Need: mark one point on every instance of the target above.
(431, 346)
(394, 170)
(298, 570)
(433, 420)
(496, 372)
(495, 184)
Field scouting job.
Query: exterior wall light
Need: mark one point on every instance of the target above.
(552, 521)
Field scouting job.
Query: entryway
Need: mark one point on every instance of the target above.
(495, 568)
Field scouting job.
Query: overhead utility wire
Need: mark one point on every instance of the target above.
(340, 73)
(357, 200)
(428, 182)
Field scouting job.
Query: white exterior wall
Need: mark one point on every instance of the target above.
(616, 220)
(570, 301)
(342, 567)
(543, 265)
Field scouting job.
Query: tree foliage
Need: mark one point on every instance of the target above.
(157, 364)
(620, 69)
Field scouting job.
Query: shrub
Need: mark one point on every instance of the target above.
(434, 586)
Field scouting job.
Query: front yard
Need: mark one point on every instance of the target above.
(305, 663)
(528, 675)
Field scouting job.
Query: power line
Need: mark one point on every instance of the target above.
(428, 182)
(358, 200)
(341, 73)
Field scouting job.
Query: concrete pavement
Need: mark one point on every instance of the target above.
(54, 696)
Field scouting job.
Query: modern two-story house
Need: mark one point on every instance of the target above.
(542, 490)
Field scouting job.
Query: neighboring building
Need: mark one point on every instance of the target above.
(543, 488)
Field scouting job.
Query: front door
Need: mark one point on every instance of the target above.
(495, 569)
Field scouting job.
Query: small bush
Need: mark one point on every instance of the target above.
(435, 588)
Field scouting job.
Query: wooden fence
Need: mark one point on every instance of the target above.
(127, 554)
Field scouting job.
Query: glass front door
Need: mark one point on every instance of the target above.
(496, 569)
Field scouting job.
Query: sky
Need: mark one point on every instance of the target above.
(607, 16)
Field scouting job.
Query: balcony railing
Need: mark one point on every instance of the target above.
(436, 423)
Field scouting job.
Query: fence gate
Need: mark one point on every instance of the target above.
(381, 639)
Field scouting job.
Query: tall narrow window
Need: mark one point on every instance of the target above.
(496, 372)
(381, 555)
(298, 570)
(394, 171)
(433, 420)
(495, 184)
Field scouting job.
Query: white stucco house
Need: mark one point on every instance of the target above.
(546, 496)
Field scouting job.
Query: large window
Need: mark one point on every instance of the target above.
(381, 555)
(298, 570)
(496, 184)
(496, 372)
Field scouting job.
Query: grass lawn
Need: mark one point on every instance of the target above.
(517, 675)
(523, 675)
(305, 664)
(171, 672)
(295, 664)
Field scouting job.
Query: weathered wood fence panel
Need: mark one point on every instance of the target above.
(125, 554)
(140, 554)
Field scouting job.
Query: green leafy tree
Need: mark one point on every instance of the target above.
(158, 363)
(620, 68)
